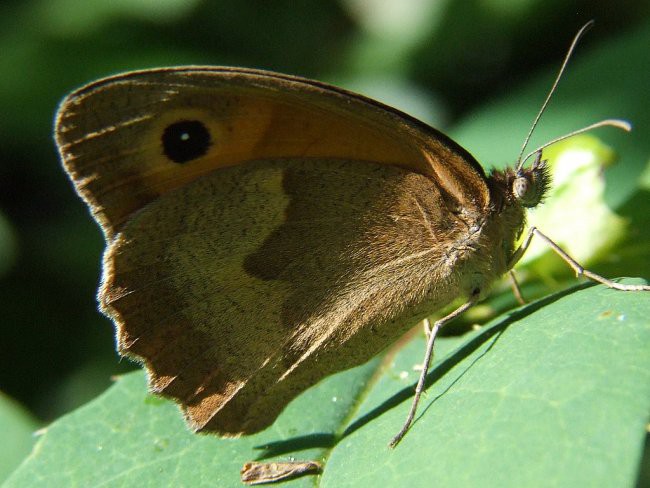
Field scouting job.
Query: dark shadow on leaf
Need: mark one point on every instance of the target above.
(295, 444)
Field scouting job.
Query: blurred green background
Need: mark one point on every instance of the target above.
(438, 60)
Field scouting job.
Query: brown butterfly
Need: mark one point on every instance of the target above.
(264, 231)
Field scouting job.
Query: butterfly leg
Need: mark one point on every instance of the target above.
(515, 288)
(426, 325)
(437, 325)
(579, 270)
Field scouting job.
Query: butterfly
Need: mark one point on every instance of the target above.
(264, 231)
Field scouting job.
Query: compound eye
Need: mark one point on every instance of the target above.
(521, 187)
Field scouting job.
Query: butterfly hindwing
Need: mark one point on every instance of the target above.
(247, 287)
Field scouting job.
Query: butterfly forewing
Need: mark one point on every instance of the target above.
(110, 134)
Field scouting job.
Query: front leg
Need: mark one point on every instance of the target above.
(579, 270)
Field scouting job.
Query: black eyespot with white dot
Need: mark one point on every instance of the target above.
(186, 140)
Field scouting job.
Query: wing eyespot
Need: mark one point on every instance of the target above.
(186, 140)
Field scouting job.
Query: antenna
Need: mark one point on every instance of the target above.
(569, 53)
(618, 123)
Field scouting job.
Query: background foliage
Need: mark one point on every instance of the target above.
(456, 64)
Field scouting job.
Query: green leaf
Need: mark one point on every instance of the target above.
(127, 437)
(556, 392)
(17, 428)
